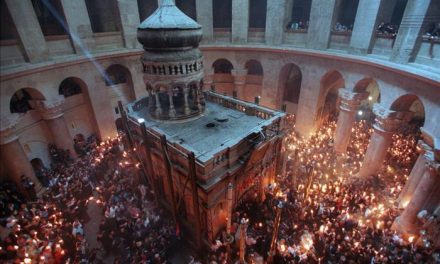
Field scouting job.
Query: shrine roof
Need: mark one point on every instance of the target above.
(218, 128)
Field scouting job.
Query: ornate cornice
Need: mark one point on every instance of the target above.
(388, 120)
(7, 128)
(350, 100)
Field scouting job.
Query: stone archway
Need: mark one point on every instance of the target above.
(70, 86)
(410, 103)
(290, 79)
(223, 80)
(254, 81)
(331, 82)
(370, 86)
(119, 81)
(21, 100)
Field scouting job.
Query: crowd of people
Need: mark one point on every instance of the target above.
(339, 27)
(48, 229)
(329, 215)
(387, 29)
(298, 25)
(433, 31)
(51, 228)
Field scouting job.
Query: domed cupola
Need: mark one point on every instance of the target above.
(172, 64)
(169, 28)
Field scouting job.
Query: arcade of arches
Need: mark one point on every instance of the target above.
(354, 121)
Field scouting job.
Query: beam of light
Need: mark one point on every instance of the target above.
(78, 42)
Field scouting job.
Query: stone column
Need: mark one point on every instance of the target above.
(129, 15)
(364, 29)
(78, 23)
(240, 21)
(410, 31)
(239, 81)
(415, 175)
(321, 23)
(171, 111)
(52, 112)
(185, 96)
(407, 222)
(386, 123)
(205, 18)
(12, 154)
(350, 102)
(275, 21)
(158, 106)
(199, 98)
(28, 29)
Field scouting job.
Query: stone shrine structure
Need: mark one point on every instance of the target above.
(195, 145)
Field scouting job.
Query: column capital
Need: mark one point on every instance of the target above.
(350, 100)
(388, 120)
(7, 128)
(50, 109)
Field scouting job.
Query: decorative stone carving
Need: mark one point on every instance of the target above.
(350, 100)
(7, 128)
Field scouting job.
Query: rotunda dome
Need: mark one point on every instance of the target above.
(169, 28)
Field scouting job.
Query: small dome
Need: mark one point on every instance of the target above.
(168, 16)
(168, 27)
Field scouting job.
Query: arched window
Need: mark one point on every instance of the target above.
(19, 102)
(222, 13)
(222, 66)
(290, 78)
(50, 16)
(103, 15)
(69, 87)
(331, 82)
(411, 103)
(254, 67)
(116, 74)
(370, 86)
